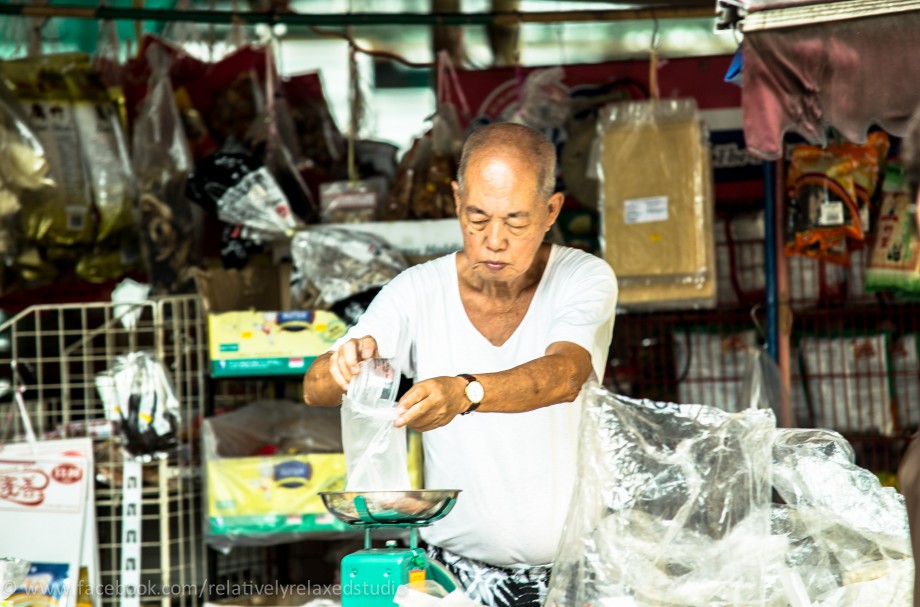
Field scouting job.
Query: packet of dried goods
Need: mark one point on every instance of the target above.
(347, 202)
(162, 160)
(894, 258)
(104, 151)
(59, 215)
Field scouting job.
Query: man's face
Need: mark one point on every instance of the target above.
(503, 216)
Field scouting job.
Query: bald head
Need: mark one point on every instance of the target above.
(516, 141)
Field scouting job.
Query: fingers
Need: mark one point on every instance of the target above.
(344, 364)
(424, 407)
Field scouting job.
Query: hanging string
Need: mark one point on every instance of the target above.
(653, 62)
(355, 107)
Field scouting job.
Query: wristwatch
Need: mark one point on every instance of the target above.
(474, 392)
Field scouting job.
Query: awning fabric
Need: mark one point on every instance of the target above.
(848, 74)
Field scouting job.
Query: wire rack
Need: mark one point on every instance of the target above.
(57, 351)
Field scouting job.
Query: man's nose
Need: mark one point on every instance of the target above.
(496, 239)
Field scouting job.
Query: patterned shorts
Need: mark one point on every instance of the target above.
(517, 586)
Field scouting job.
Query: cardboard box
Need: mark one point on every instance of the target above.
(273, 494)
(261, 496)
(260, 286)
(251, 343)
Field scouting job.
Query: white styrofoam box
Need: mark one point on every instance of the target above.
(847, 381)
(715, 371)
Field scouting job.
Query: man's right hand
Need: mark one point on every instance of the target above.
(343, 365)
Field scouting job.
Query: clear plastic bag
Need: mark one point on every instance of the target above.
(545, 100)
(340, 263)
(673, 507)
(376, 451)
(162, 160)
(656, 199)
(138, 398)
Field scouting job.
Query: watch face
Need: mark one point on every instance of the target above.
(475, 392)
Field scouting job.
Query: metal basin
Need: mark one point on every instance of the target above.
(417, 508)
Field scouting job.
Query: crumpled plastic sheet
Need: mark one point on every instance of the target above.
(340, 263)
(674, 507)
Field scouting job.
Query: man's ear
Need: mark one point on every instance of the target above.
(456, 188)
(553, 207)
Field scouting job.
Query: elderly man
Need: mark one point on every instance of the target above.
(499, 338)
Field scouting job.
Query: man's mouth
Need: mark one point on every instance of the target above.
(494, 265)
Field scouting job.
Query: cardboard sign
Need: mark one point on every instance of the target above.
(49, 517)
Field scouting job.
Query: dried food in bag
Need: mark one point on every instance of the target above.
(346, 202)
(399, 201)
(23, 164)
(340, 263)
(829, 191)
(138, 398)
(104, 152)
(894, 257)
(320, 139)
(61, 215)
(162, 160)
(236, 185)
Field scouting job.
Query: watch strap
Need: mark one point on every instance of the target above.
(469, 379)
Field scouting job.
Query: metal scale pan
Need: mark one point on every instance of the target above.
(389, 508)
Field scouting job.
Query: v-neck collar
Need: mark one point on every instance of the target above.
(517, 330)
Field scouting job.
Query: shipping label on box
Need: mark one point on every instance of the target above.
(273, 494)
(270, 343)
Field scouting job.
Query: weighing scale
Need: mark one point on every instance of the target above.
(371, 576)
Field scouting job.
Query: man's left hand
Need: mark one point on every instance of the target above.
(432, 403)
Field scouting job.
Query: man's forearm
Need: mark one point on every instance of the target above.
(553, 378)
(319, 389)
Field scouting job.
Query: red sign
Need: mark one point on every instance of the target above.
(67, 473)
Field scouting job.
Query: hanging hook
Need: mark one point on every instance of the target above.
(761, 332)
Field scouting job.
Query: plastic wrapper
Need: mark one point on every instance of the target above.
(669, 501)
(545, 100)
(339, 263)
(273, 138)
(23, 165)
(346, 202)
(847, 383)
(848, 535)
(235, 184)
(104, 151)
(138, 398)
(60, 215)
(399, 201)
(265, 465)
(673, 507)
(656, 199)
(711, 366)
(376, 452)
(829, 192)
(162, 160)
(894, 257)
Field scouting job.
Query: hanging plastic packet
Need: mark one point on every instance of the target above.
(236, 184)
(139, 400)
(346, 202)
(376, 451)
(273, 137)
(894, 259)
(340, 263)
(399, 200)
(162, 160)
(104, 150)
(61, 215)
(544, 100)
(829, 197)
(432, 195)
